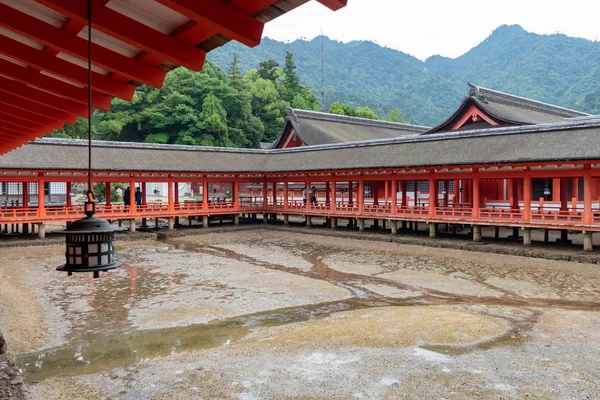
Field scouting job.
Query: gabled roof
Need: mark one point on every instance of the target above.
(504, 110)
(315, 128)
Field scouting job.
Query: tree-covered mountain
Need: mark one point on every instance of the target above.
(552, 68)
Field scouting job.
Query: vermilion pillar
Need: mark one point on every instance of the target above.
(333, 196)
(143, 188)
(394, 196)
(386, 193)
(205, 195)
(403, 187)
(360, 198)
(107, 188)
(235, 193)
(286, 194)
(175, 192)
(515, 194)
(170, 205)
(527, 194)
(327, 193)
(131, 195)
(350, 193)
(265, 194)
(25, 194)
(41, 197)
(68, 194)
(587, 197)
(563, 194)
(476, 200)
(416, 197)
(433, 196)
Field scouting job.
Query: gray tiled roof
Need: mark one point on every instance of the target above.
(564, 141)
(315, 128)
(509, 109)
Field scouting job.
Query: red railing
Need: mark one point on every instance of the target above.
(500, 214)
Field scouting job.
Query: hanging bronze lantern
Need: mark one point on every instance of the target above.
(90, 240)
(90, 243)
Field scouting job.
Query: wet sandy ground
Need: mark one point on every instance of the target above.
(268, 314)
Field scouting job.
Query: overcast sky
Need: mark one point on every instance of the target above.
(427, 27)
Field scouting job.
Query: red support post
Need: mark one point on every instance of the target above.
(394, 196)
(132, 207)
(68, 194)
(204, 195)
(333, 196)
(563, 194)
(25, 192)
(265, 194)
(144, 198)
(403, 188)
(170, 205)
(107, 193)
(235, 194)
(433, 196)
(360, 198)
(587, 196)
(286, 194)
(350, 193)
(41, 196)
(527, 195)
(476, 199)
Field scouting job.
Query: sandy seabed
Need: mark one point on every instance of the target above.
(267, 314)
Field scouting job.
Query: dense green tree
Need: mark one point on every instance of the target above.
(396, 116)
(342, 109)
(290, 82)
(268, 70)
(366, 112)
(236, 80)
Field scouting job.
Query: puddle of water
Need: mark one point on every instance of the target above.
(102, 355)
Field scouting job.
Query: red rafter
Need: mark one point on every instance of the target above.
(28, 116)
(334, 4)
(37, 108)
(226, 19)
(61, 40)
(30, 77)
(131, 31)
(47, 62)
(46, 99)
(21, 122)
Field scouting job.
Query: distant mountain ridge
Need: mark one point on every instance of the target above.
(556, 69)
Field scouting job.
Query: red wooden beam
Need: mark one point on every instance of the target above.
(194, 32)
(28, 116)
(131, 31)
(21, 122)
(228, 20)
(31, 77)
(70, 43)
(60, 105)
(36, 108)
(14, 127)
(47, 62)
(334, 4)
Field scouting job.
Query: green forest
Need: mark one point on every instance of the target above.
(212, 107)
(555, 69)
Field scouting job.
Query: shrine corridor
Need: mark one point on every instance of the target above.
(237, 315)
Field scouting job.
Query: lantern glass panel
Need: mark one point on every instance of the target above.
(92, 248)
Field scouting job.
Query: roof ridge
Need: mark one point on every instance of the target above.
(506, 130)
(501, 131)
(138, 145)
(323, 116)
(511, 99)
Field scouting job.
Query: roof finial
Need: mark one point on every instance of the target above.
(475, 91)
